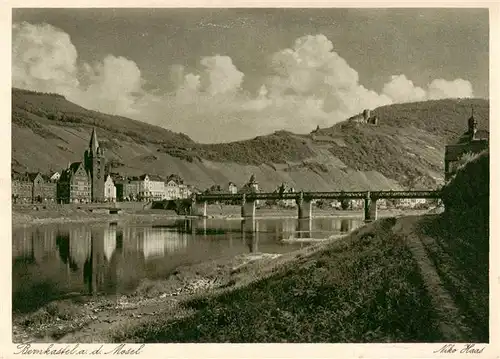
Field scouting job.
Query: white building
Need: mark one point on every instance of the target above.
(109, 190)
(284, 188)
(253, 184)
(184, 191)
(151, 187)
(233, 189)
(172, 190)
(357, 203)
(411, 202)
(55, 177)
(381, 203)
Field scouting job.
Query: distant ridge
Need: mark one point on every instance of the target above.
(405, 149)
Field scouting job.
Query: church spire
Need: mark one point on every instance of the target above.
(93, 145)
(472, 124)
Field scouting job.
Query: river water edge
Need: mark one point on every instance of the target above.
(76, 281)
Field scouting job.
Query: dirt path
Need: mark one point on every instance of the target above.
(450, 319)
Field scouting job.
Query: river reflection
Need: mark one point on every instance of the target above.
(54, 261)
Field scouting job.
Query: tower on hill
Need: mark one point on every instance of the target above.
(473, 141)
(95, 164)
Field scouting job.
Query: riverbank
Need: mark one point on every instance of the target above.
(37, 215)
(373, 285)
(98, 318)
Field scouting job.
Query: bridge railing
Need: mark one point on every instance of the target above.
(319, 195)
(405, 194)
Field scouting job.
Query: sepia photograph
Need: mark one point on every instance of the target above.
(250, 175)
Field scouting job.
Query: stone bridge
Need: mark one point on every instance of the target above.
(198, 203)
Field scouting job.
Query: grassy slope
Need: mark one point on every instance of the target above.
(461, 250)
(406, 148)
(364, 289)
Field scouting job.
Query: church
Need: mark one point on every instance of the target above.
(472, 141)
(83, 182)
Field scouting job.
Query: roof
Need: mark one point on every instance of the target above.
(155, 178)
(454, 152)
(32, 175)
(20, 176)
(74, 166)
(173, 180)
(482, 135)
(70, 171)
(479, 135)
(93, 144)
(152, 177)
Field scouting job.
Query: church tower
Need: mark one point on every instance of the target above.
(95, 165)
(472, 125)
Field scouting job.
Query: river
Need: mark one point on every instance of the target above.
(50, 262)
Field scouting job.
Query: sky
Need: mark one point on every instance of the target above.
(222, 75)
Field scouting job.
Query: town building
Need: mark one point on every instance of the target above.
(184, 191)
(357, 204)
(95, 164)
(126, 189)
(284, 188)
(109, 190)
(252, 186)
(172, 190)
(33, 188)
(471, 142)
(21, 188)
(131, 190)
(74, 186)
(43, 189)
(150, 187)
(232, 188)
(55, 176)
(411, 202)
(83, 182)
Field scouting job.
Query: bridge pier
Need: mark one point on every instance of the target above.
(370, 209)
(247, 208)
(199, 208)
(304, 207)
(250, 234)
(304, 228)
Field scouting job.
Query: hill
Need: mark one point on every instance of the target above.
(405, 149)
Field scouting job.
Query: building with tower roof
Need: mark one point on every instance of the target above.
(95, 165)
(84, 182)
(472, 141)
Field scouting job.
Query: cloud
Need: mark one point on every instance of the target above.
(43, 58)
(458, 88)
(220, 75)
(400, 89)
(308, 84)
(312, 68)
(114, 86)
